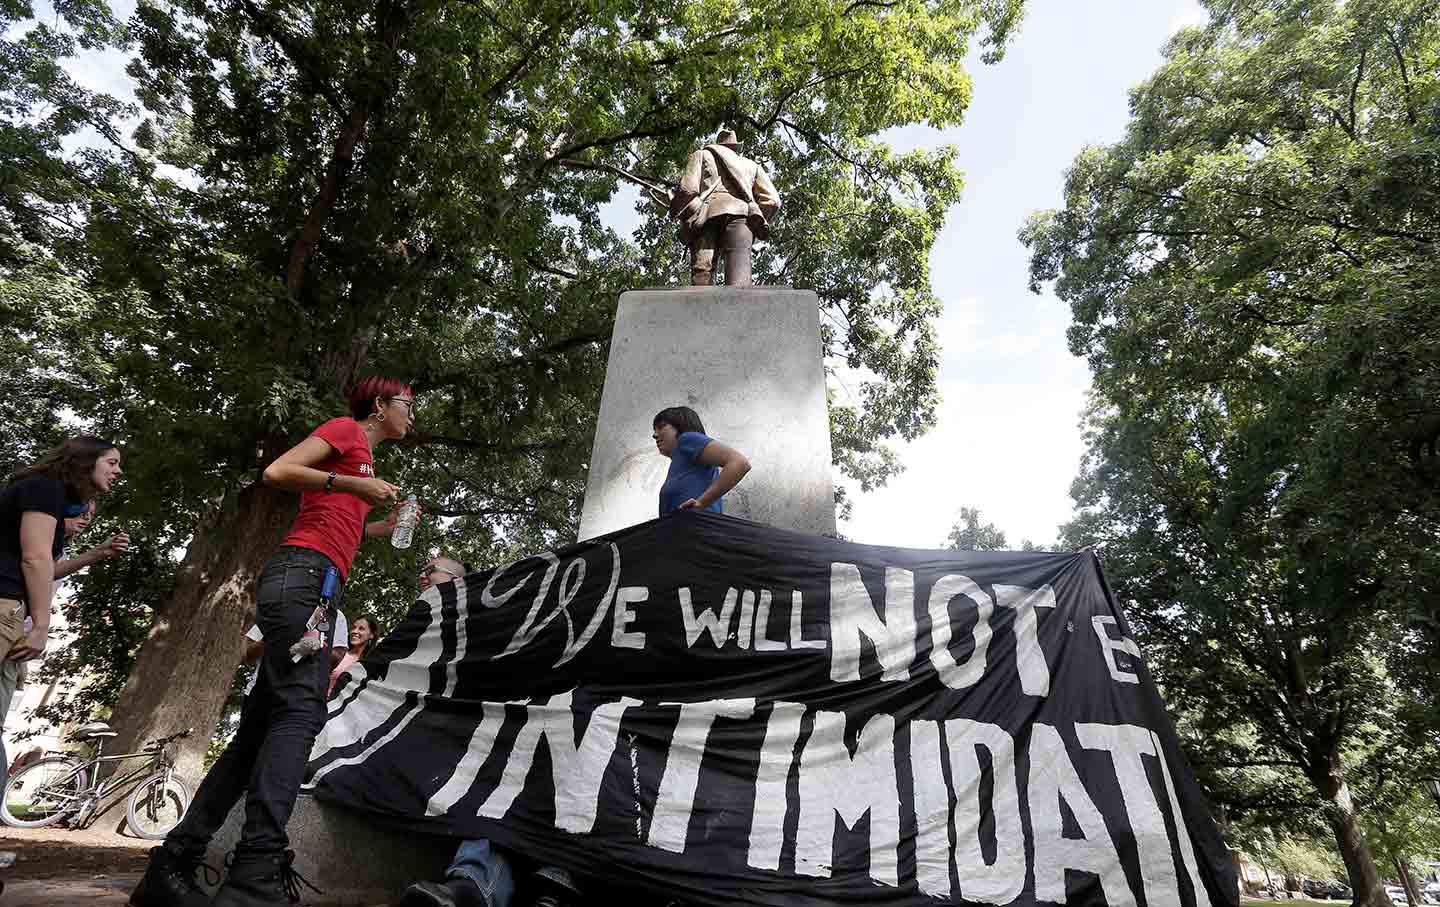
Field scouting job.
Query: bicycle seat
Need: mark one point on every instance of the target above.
(95, 730)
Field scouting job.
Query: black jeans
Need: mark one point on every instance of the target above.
(279, 720)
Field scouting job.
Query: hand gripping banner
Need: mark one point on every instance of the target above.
(725, 712)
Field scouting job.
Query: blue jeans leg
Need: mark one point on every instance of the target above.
(478, 861)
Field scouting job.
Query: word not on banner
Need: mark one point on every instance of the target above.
(724, 711)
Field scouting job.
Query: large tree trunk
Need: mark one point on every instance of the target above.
(1327, 773)
(186, 664)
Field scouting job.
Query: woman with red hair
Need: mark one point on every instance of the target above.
(296, 595)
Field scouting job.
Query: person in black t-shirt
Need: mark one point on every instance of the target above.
(33, 508)
(12, 673)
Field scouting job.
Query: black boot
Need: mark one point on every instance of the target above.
(169, 881)
(450, 893)
(554, 887)
(261, 880)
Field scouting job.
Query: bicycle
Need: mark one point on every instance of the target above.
(64, 786)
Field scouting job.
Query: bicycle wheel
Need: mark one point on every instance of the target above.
(42, 793)
(157, 805)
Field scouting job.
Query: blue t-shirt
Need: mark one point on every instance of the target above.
(687, 479)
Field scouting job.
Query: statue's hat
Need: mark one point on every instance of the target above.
(727, 138)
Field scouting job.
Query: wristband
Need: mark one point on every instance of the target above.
(330, 482)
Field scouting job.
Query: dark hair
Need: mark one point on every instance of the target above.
(680, 418)
(72, 463)
(362, 395)
(376, 629)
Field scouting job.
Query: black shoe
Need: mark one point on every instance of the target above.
(451, 893)
(169, 881)
(554, 887)
(262, 880)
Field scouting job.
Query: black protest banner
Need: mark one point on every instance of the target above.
(726, 711)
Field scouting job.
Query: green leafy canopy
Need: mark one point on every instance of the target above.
(321, 189)
(1252, 276)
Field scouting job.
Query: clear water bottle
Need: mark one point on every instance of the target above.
(404, 532)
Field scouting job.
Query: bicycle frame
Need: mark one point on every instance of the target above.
(88, 772)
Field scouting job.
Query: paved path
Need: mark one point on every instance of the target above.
(101, 891)
(92, 867)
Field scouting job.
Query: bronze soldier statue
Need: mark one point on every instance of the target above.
(724, 203)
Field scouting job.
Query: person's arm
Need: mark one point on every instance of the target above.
(254, 645)
(118, 543)
(733, 467)
(690, 180)
(37, 566)
(765, 193)
(340, 641)
(386, 526)
(294, 470)
(254, 648)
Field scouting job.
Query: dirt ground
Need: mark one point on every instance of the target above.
(53, 853)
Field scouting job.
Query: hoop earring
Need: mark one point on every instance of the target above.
(380, 416)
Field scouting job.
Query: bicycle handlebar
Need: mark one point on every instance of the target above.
(162, 741)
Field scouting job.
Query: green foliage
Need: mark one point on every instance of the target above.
(1252, 276)
(1302, 858)
(315, 191)
(107, 619)
(970, 534)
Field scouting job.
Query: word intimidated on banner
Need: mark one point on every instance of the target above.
(735, 712)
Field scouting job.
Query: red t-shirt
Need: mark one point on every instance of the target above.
(333, 522)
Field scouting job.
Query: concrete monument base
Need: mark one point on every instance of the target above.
(350, 857)
(748, 360)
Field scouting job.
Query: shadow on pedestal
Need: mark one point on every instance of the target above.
(353, 859)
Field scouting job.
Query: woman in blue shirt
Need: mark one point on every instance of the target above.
(701, 468)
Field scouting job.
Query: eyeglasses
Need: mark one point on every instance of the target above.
(426, 574)
(409, 403)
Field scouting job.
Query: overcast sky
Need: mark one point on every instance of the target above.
(1007, 439)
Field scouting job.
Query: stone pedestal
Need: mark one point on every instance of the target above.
(748, 360)
(353, 859)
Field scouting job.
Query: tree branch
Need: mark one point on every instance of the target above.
(661, 62)
(789, 95)
(558, 348)
(269, 25)
(648, 182)
(1338, 224)
(570, 150)
(483, 511)
(340, 159)
(1410, 115)
(425, 440)
(1249, 763)
(821, 141)
(536, 47)
(551, 269)
(1255, 314)
(1355, 87)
